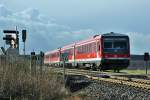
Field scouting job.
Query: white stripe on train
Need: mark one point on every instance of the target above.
(89, 60)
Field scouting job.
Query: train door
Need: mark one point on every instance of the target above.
(98, 51)
(74, 56)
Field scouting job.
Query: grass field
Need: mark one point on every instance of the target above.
(135, 71)
(128, 71)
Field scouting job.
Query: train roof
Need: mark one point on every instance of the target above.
(53, 51)
(86, 40)
(68, 46)
(113, 34)
(89, 39)
(81, 41)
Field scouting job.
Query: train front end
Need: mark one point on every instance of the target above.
(115, 51)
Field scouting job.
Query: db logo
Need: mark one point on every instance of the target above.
(115, 55)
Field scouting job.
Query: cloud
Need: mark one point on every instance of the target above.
(42, 32)
(4, 12)
(139, 42)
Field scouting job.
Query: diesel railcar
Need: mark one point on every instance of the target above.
(105, 51)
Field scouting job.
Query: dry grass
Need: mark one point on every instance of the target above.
(17, 82)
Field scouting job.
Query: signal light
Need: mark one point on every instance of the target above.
(24, 33)
(32, 53)
(42, 54)
(146, 56)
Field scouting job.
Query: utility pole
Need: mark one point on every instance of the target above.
(17, 39)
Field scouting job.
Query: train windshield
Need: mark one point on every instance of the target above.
(117, 45)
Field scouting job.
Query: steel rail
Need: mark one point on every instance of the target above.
(133, 82)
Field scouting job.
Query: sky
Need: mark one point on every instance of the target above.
(54, 23)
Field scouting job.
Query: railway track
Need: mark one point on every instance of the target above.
(115, 78)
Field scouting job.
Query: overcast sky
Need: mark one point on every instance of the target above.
(53, 23)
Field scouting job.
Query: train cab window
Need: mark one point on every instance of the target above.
(120, 44)
(108, 45)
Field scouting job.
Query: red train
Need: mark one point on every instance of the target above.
(106, 51)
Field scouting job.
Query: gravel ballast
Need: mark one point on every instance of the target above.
(99, 90)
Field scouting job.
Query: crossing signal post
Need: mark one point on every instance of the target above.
(24, 35)
(146, 59)
(12, 39)
(64, 58)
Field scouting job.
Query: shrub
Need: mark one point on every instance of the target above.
(17, 82)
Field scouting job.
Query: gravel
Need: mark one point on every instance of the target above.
(100, 90)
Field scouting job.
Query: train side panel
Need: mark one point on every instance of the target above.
(104, 51)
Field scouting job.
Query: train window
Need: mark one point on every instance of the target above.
(90, 47)
(94, 47)
(57, 54)
(120, 44)
(52, 55)
(70, 51)
(79, 49)
(84, 48)
(87, 48)
(107, 44)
